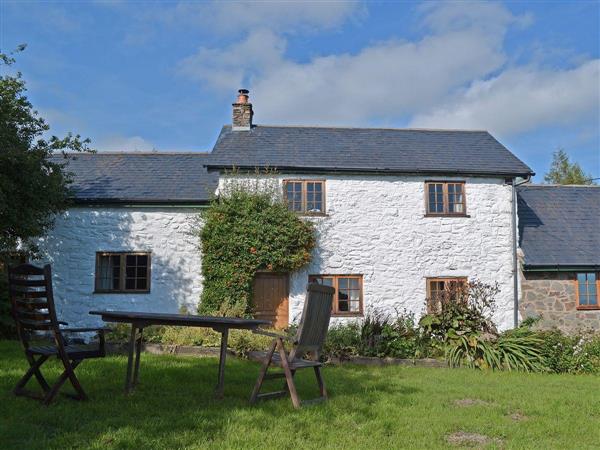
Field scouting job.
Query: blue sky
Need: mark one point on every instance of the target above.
(162, 75)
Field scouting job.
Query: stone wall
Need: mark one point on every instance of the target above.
(376, 227)
(552, 295)
(79, 233)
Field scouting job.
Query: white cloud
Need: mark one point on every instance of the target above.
(242, 16)
(260, 51)
(123, 143)
(456, 75)
(522, 99)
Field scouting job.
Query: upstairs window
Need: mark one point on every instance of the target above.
(445, 198)
(587, 290)
(348, 297)
(441, 290)
(122, 272)
(305, 196)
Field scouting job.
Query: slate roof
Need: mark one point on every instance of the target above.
(365, 150)
(174, 178)
(559, 225)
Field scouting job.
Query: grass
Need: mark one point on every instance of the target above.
(370, 407)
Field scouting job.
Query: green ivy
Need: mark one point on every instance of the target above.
(247, 229)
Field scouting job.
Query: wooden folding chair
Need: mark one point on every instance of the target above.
(30, 291)
(309, 339)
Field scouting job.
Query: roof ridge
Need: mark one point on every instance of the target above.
(136, 153)
(542, 185)
(369, 128)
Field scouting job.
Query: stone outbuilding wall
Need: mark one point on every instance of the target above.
(552, 295)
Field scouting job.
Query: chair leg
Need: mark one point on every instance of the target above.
(288, 375)
(38, 374)
(321, 382)
(34, 369)
(263, 372)
(67, 374)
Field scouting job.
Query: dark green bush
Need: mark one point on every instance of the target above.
(248, 229)
(379, 334)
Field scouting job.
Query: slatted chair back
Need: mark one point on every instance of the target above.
(32, 301)
(314, 323)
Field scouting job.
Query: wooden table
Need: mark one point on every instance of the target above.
(140, 320)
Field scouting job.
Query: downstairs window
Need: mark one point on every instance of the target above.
(348, 297)
(122, 272)
(587, 290)
(444, 289)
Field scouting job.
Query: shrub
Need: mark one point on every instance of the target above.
(247, 229)
(240, 341)
(379, 334)
(578, 353)
(343, 341)
(461, 310)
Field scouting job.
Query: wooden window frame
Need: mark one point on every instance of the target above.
(335, 312)
(445, 199)
(122, 273)
(304, 182)
(430, 280)
(588, 307)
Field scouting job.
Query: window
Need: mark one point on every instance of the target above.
(305, 196)
(444, 289)
(347, 300)
(445, 198)
(122, 272)
(587, 290)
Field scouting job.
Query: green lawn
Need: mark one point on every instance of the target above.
(391, 407)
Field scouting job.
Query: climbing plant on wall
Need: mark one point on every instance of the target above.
(248, 228)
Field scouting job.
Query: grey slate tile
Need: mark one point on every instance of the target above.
(559, 225)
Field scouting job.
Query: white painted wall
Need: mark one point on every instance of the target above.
(376, 227)
(82, 231)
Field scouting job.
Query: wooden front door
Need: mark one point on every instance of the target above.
(271, 298)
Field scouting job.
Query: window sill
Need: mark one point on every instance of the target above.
(121, 292)
(305, 214)
(588, 308)
(347, 314)
(447, 215)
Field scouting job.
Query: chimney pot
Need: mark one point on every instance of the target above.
(242, 112)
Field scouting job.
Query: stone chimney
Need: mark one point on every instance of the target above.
(242, 112)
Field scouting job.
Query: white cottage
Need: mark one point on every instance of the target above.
(402, 213)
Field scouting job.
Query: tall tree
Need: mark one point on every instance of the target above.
(33, 184)
(563, 171)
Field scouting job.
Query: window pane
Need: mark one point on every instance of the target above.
(354, 306)
(581, 277)
(130, 283)
(327, 281)
(343, 306)
(342, 295)
(130, 272)
(130, 260)
(591, 277)
(343, 283)
(354, 283)
(592, 294)
(582, 294)
(141, 272)
(141, 283)
(142, 260)
(105, 272)
(318, 187)
(310, 187)
(354, 295)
